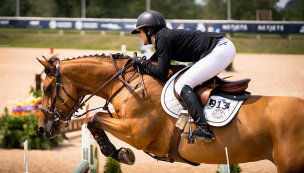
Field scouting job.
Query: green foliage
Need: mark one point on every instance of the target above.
(111, 166)
(93, 40)
(15, 130)
(215, 10)
(294, 10)
(36, 93)
(230, 67)
(234, 168)
(184, 9)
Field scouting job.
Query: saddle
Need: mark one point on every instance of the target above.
(216, 83)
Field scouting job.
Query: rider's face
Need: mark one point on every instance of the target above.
(143, 36)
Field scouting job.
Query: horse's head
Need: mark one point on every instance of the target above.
(59, 98)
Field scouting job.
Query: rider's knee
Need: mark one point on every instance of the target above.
(178, 87)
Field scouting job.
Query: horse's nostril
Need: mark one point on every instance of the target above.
(41, 130)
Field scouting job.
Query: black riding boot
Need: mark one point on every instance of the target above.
(105, 145)
(195, 108)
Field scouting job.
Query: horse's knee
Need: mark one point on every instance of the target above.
(91, 126)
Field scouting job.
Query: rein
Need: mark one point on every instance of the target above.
(55, 111)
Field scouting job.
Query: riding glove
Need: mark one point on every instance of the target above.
(137, 60)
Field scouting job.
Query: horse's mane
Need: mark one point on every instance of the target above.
(55, 58)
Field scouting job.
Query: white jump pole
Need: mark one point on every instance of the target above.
(227, 160)
(85, 143)
(25, 144)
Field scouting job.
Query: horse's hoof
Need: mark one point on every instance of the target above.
(125, 155)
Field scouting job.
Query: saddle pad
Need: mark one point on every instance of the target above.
(219, 111)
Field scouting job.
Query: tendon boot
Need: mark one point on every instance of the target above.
(195, 108)
(124, 155)
(105, 145)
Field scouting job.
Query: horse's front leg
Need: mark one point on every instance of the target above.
(123, 155)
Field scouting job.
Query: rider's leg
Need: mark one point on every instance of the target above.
(209, 66)
(196, 111)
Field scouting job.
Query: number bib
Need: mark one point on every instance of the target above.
(219, 111)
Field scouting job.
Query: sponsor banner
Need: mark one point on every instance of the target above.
(209, 26)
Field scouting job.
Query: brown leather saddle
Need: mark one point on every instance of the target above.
(216, 83)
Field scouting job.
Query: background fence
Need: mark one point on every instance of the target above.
(227, 26)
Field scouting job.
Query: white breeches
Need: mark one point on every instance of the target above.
(209, 66)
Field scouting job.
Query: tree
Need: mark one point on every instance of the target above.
(181, 9)
(215, 9)
(294, 10)
(246, 10)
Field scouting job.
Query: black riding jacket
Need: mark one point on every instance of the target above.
(179, 45)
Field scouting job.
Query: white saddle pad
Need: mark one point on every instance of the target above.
(219, 111)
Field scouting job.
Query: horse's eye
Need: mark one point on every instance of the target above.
(46, 90)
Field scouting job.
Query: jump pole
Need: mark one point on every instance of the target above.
(226, 150)
(25, 144)
(89, 151)
(225, 168)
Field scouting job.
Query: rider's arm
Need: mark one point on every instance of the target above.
(154, 57)
(164, 58)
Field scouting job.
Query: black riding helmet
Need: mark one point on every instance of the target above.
(147, 19)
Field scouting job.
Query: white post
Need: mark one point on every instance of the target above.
(124, 49)
(85, 143)
(83, 8)
(228, 10)
(227, 159)
(25, 144)
(147, 5)
(17, 8)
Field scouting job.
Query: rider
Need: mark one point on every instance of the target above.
(212, 53)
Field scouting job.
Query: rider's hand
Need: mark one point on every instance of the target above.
(136, 61)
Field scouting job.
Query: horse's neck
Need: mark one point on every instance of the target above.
(91, 73)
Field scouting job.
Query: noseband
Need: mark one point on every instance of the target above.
(56, 112)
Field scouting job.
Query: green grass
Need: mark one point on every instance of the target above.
(72, 39)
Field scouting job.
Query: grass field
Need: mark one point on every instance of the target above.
(72, 39)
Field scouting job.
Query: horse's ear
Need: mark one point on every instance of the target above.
(47, 65)
(46, 60)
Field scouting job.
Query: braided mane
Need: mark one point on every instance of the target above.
(55, 58)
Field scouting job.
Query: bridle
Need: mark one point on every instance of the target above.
(56, 112)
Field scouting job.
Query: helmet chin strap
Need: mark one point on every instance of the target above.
(149, 35)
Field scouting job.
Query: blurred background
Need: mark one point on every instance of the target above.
(268, 36)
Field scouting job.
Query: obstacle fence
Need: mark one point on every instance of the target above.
(90, 157)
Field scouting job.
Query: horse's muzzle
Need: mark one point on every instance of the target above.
(50, 130)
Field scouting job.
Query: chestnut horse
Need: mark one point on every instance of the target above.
(265, 127)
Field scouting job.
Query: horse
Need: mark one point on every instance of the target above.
(265, 127)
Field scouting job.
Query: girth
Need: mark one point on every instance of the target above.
(173, 154)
